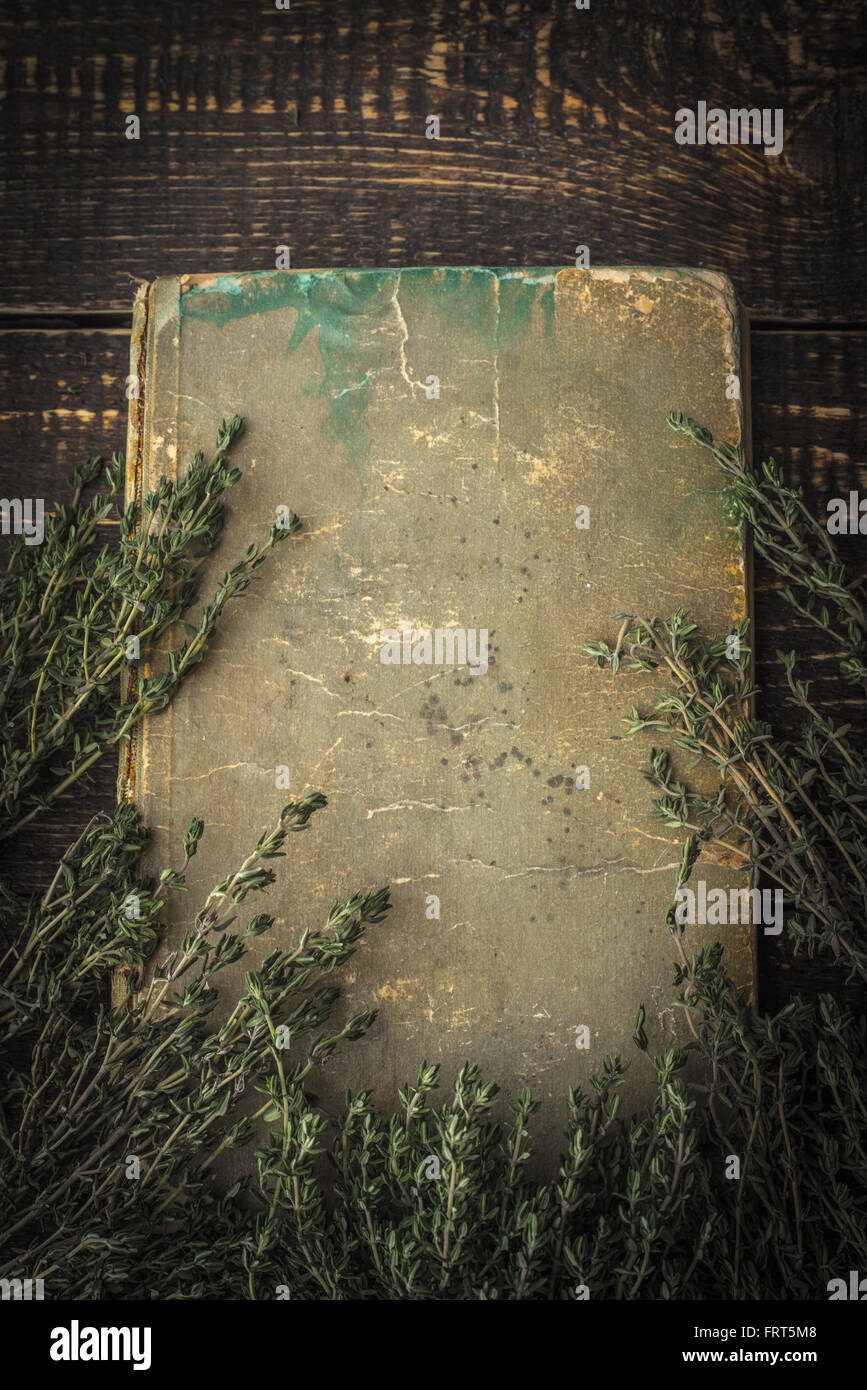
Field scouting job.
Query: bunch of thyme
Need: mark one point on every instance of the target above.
(111, 1124)
(794, 808)
(75, 610)
(747, 1183)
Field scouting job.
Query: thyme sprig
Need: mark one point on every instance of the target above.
(151, 1079)
(744, 1177)
(791, 808)
(818, 586)
(74, 607)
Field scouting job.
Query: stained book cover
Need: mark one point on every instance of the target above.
(486, 479)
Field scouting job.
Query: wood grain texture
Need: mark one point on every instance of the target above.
(556, 129)
(809, 393)
(809, 411)
(62, 400)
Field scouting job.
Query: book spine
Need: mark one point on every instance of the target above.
(746, 442)
(138, 355)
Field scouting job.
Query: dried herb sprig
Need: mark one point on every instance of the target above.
(435, 1201)
(818, 585)
(73, 609)
(151, 1083)
(791, 808)
(151, 1080)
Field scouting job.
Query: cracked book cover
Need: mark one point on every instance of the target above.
(485, 478)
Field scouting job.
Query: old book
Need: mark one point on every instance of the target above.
(486, 478)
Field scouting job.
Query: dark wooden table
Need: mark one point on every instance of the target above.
(306, 127)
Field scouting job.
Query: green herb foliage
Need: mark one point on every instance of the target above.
(431, 1199)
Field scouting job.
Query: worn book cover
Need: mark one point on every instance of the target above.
(482, 465)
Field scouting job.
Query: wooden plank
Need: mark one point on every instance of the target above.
(809, 393)
(556, 130)
(810, 413)
(62, 400)
(809, 407)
